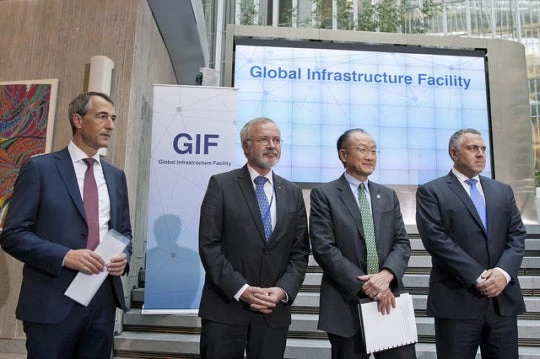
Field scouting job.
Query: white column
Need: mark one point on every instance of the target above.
(468, 16)
(445, 19)
(518, 21)
(275, 13)
(334, 15)
(219, 36)
(493, 20)
(355, 14)
(313, 9)
(258, 11)
(294, 12)
(237, 11)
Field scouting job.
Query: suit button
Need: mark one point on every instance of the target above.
(83, 235)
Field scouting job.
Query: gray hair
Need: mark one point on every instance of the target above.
(244, 133)
(79, 105)
(457, 138)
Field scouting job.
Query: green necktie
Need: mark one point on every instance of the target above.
(369, 231)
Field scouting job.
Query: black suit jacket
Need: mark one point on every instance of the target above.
(234, 252)
(45, 220)
(461, 249)
(338, 244)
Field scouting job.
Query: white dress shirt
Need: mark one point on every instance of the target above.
(77, 156)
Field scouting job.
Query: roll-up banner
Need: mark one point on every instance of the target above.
(193, 137)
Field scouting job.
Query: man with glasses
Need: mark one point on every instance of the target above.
(473, 230)
(359, 240)
(253, 243)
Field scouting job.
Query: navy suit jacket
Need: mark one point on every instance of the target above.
(338, 244)
(45, 220)
(234, 251)
(461, 248)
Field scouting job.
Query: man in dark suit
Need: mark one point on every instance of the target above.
(47, 228)
(353, 267)
(254, 246)
(476, 251)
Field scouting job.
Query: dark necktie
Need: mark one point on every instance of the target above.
(369, 231)
(477, 200)
(264, 206)
(91, 204)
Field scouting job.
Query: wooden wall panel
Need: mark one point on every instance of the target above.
(44, 39)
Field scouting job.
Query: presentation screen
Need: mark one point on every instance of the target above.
(410, 99)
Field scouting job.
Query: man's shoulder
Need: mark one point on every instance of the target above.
(330, 188)
(281, 181)
(109, 167)
(484, 179)
(492, 183)
(234, 173)
(437, 181)
(325, 185)
(46, 158)
(380, 187)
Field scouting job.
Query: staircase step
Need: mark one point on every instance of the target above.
(175, 336)
(303, 326)
(168, 346)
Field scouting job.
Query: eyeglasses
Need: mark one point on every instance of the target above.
(364, 151)
(275, 141)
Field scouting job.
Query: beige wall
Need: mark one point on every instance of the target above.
(45, 39)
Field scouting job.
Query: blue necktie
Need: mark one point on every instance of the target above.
(264, 206)
(477, 200)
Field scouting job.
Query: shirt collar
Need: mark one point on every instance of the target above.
(354, 182)
(78, 155)
(461, 177)
(253, 173)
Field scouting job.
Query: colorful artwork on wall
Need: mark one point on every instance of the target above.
(26, 128)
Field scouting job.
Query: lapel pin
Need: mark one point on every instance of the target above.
(378, 196)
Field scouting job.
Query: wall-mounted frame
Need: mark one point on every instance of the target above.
(27, 110)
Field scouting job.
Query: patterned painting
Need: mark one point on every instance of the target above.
(26, 126)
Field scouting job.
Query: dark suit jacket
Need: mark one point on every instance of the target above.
(461, 250)
(45, 220)
(338, 245)
(234, 252)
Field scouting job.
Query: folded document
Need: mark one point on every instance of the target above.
(382, 332)
(84, 286)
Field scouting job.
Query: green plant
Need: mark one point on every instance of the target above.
(390, 15)
(406, 16)
(287, 17)
(344, 15)
(367, 17)
(322, 14)
(248, 12)
(415, 19)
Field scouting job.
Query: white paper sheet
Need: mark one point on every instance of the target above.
(84, 286)
(392, 330)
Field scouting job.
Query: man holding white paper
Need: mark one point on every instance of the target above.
(64, 203)
(359, 240)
